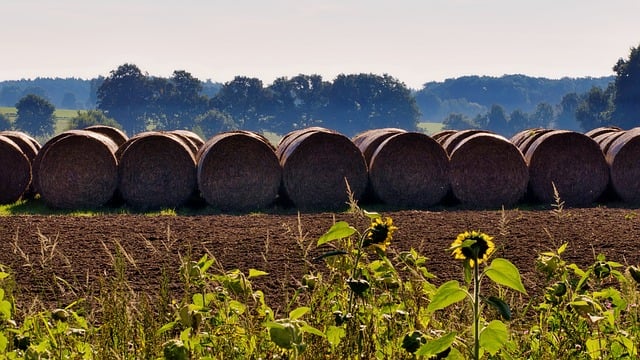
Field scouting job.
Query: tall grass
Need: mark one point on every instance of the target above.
(360, 299)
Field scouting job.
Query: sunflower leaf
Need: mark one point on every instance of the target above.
(447, 294)
(503, 272)
(339, 230)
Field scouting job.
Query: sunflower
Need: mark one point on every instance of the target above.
(380, 233)
(471, 246)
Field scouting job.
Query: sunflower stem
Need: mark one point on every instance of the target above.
(476, 309)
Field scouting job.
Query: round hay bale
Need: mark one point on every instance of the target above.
(194, 138)
(410, 170)
(368, 141)
(118, 136)
(78, 170)
(525, 138)
(315, 163)
(442, 136)
(488, 171)
(156, 170)
(15, 171)
(573, 162)
(238, 171)
(622, 157)
(26, 143)
(602, 130)
(454, 139)
(606, 139)
(35, 164)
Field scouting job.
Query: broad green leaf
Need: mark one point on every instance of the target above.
(298, 313)
(335, 334)
(255, 273)
(494, 336)
(3, 275)
(311, 330)
(339, 230)
(447, 294)
(503, 272)
(237, 307)
(435, 347)
(562, 248)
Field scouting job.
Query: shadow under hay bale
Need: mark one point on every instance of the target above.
(315, 163)
(118, 136)
(156, 170)
(238, 171)
(571, 161)
(409, 170)
(487, 171)
(15, 171)
(622, 157)
(77, 170)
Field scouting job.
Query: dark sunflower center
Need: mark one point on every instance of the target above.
(378, 234)
(477, 250)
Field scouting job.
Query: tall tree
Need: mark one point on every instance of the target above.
(5, 123)
(566, 110)
(125, 96)
(367, 101)
(35, 116)
(91, 117)
(498, 120)
(180, 101)
(297, 102)
(243, 99)
(626, 99)
(595, 110)
(543, 116)
(518, 120)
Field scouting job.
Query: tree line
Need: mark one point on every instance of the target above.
(135, 101)
(617, 104)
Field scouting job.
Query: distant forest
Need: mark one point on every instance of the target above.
(469, 95)
(134, 101)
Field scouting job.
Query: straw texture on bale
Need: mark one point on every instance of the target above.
(238, 171)
(15, 171)
(118, 136)
(78, 170)
(622, 157)
(35, 164)
(409, 170)
(315, 163)
(156, 170)
(368, 141)
(488, 171)
(571, 161)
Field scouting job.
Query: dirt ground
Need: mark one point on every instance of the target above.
(56, 259)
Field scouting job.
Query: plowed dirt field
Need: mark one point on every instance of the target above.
(57, 259)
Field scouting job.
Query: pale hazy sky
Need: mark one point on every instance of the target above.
(414, 41)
